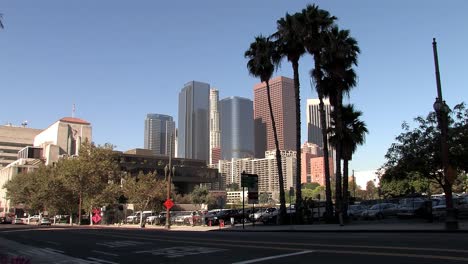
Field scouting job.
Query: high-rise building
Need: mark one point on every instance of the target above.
(194, 128)
(158, 131)
(12, 140)
(237, 138)
(314, 127)
(215, 133)
(309, 151)
(284, 112)
(265, 168)
(317, 170)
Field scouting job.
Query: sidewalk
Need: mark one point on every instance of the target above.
(353, 227)
(367, 226)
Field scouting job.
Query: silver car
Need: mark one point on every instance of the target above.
(379, 211)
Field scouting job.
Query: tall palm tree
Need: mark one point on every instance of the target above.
(316, 23)
(263, 57)
(338, 59)
(353, 134)
(289, 42)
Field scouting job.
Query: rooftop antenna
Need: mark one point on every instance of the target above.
(73, 110)
(24, 123)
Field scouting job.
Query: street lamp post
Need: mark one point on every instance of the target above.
(168, 171)
(442, 111)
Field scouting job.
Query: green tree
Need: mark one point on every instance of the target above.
(262, 60)
(89, 175)
(372, 192)
(289, 42)
(145, 191)
(316, 23)
(352, 134)
(29, 189)
(264, 198)
(338, 59)
(310, 185)
(200, 195)
(233, 186)
(417, 152)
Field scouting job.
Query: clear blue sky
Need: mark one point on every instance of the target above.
(119, 60)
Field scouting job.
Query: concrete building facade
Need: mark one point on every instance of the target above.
(63, 138)
(284, 112)
(265, 168)
(193, 126)
(317, 170)
(158, 131)
(237, 138)
(314, 127)
(12, 140)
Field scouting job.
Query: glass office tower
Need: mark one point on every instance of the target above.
(237, 132)
(158, 131)
(194, 130)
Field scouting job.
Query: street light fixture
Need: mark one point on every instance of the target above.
(442, 110)
(168, 171)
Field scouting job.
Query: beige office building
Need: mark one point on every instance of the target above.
(265, 168)
(12, 140)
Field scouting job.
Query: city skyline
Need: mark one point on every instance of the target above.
(104, 63)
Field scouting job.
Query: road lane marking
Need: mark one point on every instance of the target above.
(184, 239)
(105, 253)
(214, 243)
(393, 254)
(176, 252)
(117, 244)
(274, 257)
(96, 260)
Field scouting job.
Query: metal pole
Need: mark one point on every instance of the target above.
(436, 62)
(243, 213)
(442, 111)
(253, 213)
(170, 170)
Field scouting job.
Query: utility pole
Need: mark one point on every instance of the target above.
(442, 111)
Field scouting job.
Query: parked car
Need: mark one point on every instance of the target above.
(5, 220)
(34, 219)
(272, 217)
(135, 218)
(413, 209)
(224, 215)
(17, 221)
(355, 210)
(186, 218)
(379, 211)
(159, 219)
(44, 221)
(264, 214)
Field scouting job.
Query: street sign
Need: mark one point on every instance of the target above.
(251, 182)
(168, 204)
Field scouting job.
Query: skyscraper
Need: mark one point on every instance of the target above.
(237, 137)
(194, 129)
(215, 133)
(158, 131)
(284, 111)
(314, 128)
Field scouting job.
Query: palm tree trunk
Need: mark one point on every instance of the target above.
(299, 211)
(282, 212)
(339, 146)
(345, 187)
(318, 79)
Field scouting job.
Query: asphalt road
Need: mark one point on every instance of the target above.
(29, 244)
